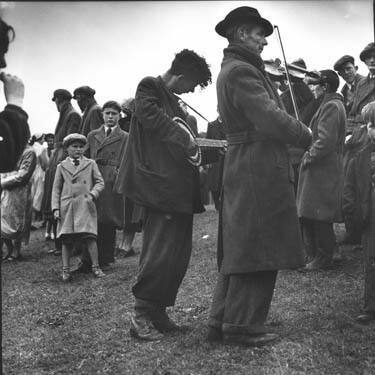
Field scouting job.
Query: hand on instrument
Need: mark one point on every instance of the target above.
(14, 89)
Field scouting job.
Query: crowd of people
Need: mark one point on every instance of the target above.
(298, 158)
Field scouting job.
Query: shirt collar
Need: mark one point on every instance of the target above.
(107, 127)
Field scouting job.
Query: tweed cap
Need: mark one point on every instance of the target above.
(243, 14)
(343, 60)
(370, 48)
(62, 94)
(83, 90)
(74, 137)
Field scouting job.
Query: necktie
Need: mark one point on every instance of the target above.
(108, 132)
(76, 162)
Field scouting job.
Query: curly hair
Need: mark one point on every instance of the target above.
(190, 64)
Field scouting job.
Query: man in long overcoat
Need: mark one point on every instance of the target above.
(92, 117)
(356, 128)
(259, 232)
(106, 147)
(321, 175)
(68, 123)
(156, 174)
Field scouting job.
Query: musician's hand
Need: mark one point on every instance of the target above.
(14, 89)
(192, 148)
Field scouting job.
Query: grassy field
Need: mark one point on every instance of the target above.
(82, 328)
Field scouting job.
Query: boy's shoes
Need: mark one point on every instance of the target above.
(97, 271)
(142, 328)
(66, 276)
(125, 253)
(57, 252)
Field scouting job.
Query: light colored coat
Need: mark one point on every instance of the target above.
(71, 192)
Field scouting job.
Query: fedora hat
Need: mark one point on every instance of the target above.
(243, 14)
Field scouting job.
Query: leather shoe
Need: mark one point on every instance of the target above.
(142, 328)
(319, 263)
(250, 340)
(366, 317)
(163, 323)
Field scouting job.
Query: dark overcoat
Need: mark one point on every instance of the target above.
(71, 195)
(322, 173)
(365, 93)
(108, 152)
(154, 171)
(356, 200)
(68, 123)
(260, 229)
(348, 93)
(92, 118)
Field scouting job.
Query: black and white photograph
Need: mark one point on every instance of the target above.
(187, 187)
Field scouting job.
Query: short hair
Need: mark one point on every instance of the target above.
(112, 104)
(193, 66)
(331, 78)
(7, 35)
(231, 33)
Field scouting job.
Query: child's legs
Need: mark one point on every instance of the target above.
(65, 254)
(93, 251)
(16, 248)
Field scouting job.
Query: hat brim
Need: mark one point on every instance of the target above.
(364, 54)
(222, 27)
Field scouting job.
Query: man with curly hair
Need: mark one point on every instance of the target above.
(155, 174)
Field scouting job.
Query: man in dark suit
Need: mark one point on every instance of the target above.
(156, 174)
(92, 117)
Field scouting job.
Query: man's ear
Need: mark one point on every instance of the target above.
(356, 68)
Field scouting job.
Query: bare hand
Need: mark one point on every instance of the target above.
(56, 214)
(14, 89)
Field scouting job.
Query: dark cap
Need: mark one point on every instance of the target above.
(243, 14)
(83, 90)
(62, 94)
(112, 104)
(330, 77)
(300, 62)
(343, 60)
(370, 48)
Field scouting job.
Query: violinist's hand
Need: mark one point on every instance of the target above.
(14, 89)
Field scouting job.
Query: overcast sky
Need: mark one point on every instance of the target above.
(111, 46)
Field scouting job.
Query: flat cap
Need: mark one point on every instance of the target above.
(62, 94)
(343, 60)
(112, 104)
(74, 137)
(83, 90)
(243, 14)
(370, 48)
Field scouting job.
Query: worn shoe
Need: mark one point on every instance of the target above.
(319, 263)
(366, 317)
(250, 340)
(143, 329)
(214, 334)
(66, 276)
(126, 253)
(97, 271)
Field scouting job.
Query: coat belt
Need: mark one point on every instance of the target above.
(107, 162)
(245, 137)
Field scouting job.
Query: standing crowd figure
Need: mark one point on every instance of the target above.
(290, 170)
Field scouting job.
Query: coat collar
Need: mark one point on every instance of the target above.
(103, 140)
(332, 96)
(240, 52)
(68, 166)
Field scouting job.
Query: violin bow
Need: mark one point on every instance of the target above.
(287, 74)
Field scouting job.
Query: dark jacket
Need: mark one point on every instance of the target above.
(349, 94)
(321, 175)
(154, 171)
(14, 134)
(260, 229)
(356, 201)
(108, 152)
(92, 118)
(68, 123)
(365, 93)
